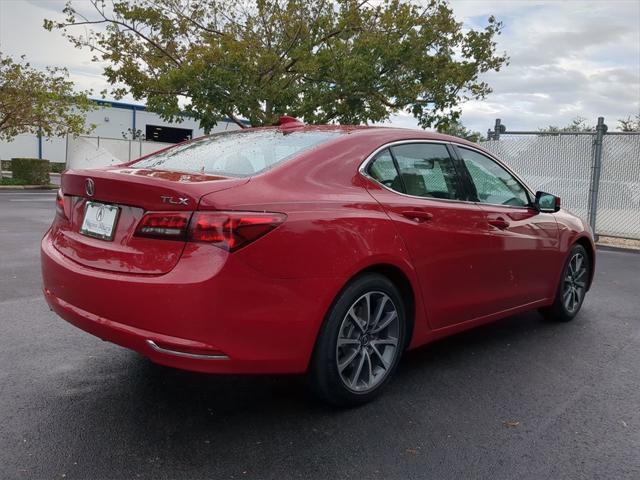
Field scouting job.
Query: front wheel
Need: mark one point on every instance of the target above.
(360, 343)
(572, 288)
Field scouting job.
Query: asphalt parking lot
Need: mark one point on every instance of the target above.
(522, 398)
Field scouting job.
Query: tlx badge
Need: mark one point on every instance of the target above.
(174, 201)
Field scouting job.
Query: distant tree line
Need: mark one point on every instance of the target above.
(580, 124)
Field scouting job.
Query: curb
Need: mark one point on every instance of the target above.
(610, 248)
(29, 187)
(618, 243)
(618, 248)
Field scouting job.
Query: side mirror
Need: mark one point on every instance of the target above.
(545, 202)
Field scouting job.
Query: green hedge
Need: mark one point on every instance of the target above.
(30, 171)
(57, 167)
(54, 167)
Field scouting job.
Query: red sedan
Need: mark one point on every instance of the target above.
(326, 250)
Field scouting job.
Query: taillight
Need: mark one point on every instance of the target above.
(227, 230)
(165, 225)
(232, 230)
(60, 204)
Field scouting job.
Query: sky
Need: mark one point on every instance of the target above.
(568, 58)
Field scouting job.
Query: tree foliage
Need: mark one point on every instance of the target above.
(578, 124)
(629, 124)
(131, 134)
(346, 61)
(457, 129)
(34, 101)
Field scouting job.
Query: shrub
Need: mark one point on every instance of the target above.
(57, 167)
(30, 171)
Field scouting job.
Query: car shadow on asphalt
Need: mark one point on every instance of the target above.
(141, 410)
(196, 395)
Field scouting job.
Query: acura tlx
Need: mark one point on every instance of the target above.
(325, 250)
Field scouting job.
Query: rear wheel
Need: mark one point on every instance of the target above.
(572, 288)
(360, 343)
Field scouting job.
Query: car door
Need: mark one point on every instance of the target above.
(524, 246)
(419, 185)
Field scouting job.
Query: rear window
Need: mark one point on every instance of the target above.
(236, 153)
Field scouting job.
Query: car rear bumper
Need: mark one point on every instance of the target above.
(212, 313)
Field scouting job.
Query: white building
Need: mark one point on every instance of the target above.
(113, 120)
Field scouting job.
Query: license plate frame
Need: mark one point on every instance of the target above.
(99, 229)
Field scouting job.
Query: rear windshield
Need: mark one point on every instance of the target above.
(237, 153)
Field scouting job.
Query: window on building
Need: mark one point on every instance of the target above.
(158, 133)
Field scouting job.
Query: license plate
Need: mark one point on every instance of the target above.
(100, 220)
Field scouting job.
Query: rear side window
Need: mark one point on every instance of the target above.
(384, 170)
(237, 153)
(427, 170)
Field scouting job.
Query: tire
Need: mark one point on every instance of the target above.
(354, 372)
(566, 305)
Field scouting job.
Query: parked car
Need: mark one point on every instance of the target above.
(322, 250)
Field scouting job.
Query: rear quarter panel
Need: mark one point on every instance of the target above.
(334, 228)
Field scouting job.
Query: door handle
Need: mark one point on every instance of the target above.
(499, 222)
(417, 216)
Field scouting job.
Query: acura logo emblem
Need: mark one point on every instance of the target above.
(89, 187)
(100, 214)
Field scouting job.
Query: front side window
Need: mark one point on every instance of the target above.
(236, 153)
(494, 185)
(426, 170)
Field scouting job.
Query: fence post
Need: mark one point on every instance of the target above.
(66, 152)
(497, 129)
(601, 130)
(40, 143)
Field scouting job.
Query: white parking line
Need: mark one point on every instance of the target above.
(48, 200)
(28, 193)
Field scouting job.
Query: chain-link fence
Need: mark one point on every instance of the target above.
(618, 207)
(597, 174)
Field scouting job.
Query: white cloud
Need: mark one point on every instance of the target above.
(567, 59)
(22, 33)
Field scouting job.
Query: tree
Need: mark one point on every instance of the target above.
(630, 124)
(131, 134)
(457, 129)
(39, 102)
(346, 61)
(578, 124)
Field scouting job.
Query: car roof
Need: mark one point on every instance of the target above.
(396, 133)
(380, 133)
(338, 156)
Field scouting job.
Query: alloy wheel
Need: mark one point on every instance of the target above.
(575, 282)
(367, 343)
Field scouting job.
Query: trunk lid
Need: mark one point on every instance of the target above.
(134, 192)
